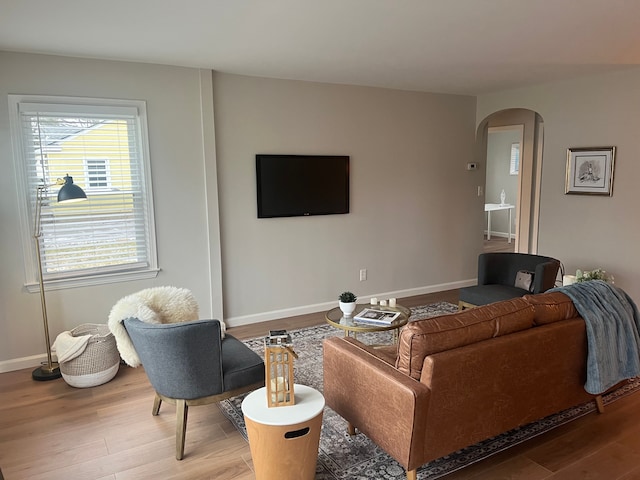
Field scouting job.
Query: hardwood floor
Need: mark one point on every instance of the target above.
(52, 431)
(498, 244)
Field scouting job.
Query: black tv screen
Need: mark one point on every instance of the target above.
(302, 185)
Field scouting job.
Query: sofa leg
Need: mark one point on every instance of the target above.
(599, 404)
(351, 430)
(412, 474)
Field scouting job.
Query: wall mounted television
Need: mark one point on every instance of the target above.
(302, 185)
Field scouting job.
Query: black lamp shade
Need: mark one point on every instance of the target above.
(70, 192)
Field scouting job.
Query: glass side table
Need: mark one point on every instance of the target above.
(351, 327)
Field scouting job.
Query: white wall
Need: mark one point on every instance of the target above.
(415, 222)
(587, 231)
(177, 115)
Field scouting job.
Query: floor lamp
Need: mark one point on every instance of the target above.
(69, 192)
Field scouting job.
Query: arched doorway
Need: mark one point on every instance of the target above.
(527, 201)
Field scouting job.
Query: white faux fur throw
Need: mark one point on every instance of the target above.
(152, 305)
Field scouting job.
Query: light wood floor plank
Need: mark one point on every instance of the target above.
(611, 461)
(515, 467)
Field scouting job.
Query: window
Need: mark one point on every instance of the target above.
(514, 163)
(102, 144)
(97, 173)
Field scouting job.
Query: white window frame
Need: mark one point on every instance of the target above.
(25, 196)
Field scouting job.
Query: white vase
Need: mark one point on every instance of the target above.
(347, 308)
(503, 197)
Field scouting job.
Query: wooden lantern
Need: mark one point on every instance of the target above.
(279, 356)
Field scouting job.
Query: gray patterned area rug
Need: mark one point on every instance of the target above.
(342, 457)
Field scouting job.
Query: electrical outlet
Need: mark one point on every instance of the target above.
(363, 274)
(480, 190)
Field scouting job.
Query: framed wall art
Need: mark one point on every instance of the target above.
(590, 170)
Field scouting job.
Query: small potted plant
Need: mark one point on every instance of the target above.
(347, 302)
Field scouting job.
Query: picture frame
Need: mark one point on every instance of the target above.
(590, 171)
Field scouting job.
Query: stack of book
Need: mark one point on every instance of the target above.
(377, 317)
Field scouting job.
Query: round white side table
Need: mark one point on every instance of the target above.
(284, 440)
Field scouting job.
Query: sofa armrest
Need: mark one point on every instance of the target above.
(545, 276)
(384, 404)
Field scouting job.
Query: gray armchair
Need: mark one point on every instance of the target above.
(497, 277)
(189, 364)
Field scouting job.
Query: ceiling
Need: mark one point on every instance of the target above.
(447, 46)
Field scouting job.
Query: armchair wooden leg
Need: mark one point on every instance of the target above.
(156, 405)
(412, 474)
(351, 430)
(464, 305)
(600, 404)
(182, 411)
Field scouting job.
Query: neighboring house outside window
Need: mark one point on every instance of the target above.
(102, 144)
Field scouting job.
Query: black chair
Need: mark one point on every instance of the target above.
(497, 274)
(189, 364)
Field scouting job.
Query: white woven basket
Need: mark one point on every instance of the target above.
(98, 363)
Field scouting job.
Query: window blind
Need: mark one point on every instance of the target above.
(101, 148)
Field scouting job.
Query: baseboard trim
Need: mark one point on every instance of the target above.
(319, 307)
(500, 234)
(14, 364)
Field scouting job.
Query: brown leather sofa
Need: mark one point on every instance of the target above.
(457, 379)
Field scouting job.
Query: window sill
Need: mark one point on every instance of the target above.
(87, 281)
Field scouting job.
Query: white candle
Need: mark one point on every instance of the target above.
(568, 280)
(383, 303)
(278, 386)
(374, 301)
(392, 302)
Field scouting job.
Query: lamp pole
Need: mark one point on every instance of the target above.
(51, 370)
(69, 192)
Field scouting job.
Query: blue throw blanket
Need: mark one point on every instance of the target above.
(612, 323)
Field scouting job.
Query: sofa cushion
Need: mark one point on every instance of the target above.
(422, 338)
(485, 294)
(551, 307)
